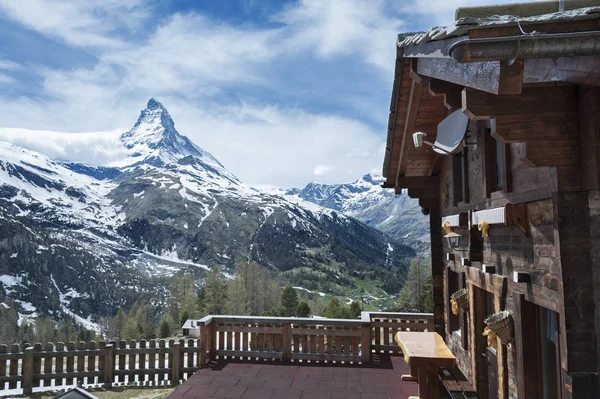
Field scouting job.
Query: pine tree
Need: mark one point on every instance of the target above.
(237, 297)
(184, 317)
(117, 325)
(262, 292)
(413, 296)
(336, 310)
(215, 291)
(182, 298)
(289, 301)
(354, 311)
(303, 310)
(165, 329)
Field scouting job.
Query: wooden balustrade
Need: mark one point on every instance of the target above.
(157, 362)
(385, 325)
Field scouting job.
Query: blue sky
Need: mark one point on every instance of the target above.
(282, 92)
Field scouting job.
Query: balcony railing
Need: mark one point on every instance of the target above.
(157, 362)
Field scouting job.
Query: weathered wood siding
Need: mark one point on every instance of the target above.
(559, 249)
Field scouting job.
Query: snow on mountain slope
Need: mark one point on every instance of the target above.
(118, 232)
(397, 215)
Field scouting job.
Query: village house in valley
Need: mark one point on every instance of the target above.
(508, 169)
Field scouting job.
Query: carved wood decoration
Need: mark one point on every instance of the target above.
(491, 77)
(452, 93)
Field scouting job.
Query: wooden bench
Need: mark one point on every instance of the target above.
(455, 383)
(426, 353)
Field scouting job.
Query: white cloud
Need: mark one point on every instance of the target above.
(9, 65)
(98, 148)
(187, 61)
(189, 52)
(344, 27)
(320, 170)
(89, 23)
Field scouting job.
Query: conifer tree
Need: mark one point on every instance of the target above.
(237, 297)
(215, 291)
(303, 310)
(289, 301)
(165, 329)
(354, 310)
(417, 288)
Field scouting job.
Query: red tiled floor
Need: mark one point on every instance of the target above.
(276, 380)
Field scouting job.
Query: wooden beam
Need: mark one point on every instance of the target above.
(452, 92)
(411, 116)
(581, 70)
(551, 153)
(436, 165)
(523, 127)
(533, 100)
(425, 182)
(492, 77)
(589, 126)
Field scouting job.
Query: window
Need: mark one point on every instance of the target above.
(457, 180)
(496, 158)
(548, 330)
(500, 166)
(540, 345)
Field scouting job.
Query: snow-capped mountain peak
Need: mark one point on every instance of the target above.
(154, 139)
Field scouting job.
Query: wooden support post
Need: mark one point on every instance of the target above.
(423, 372)
(213, 340)
(28, 371)
(286, 348)
(175, 363)
(109, 365)
(202, 346)
(366, 344)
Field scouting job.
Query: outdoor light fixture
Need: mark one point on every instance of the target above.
(453, 239)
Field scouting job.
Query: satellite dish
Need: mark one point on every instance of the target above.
(450, 132)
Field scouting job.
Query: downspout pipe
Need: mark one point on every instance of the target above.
(536, 45)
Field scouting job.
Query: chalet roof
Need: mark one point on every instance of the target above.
(466, 24)
(489, 50)
(190, 323)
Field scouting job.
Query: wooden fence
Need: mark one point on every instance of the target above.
(157, 362)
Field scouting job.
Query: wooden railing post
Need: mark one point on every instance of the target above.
(109, 365)
(27, 370)
(286, 342)
(366, 343)
(430, 325)
(213, 340)
(202, 347)
(175, 360)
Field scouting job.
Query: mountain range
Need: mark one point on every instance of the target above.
(81, 241)
(398, 216)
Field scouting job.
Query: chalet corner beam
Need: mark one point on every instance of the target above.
(480, 105)
(411, 117)
(494, 77)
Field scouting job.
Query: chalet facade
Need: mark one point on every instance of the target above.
(510, 161)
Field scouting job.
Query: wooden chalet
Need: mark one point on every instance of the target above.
(508, 99)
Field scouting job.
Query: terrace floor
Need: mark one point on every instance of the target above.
(274, 380)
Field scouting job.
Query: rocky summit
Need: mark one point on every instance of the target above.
(81, 241)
